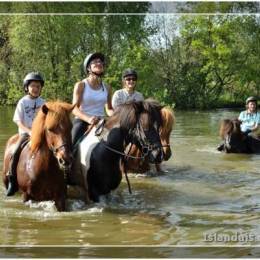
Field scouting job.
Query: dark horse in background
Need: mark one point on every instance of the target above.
(234, 140)
(140, 165)
(43, 161)
(98, 166)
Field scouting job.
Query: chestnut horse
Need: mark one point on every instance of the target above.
(138, 165)
(98, 167)
(43, 161)
(235, 141)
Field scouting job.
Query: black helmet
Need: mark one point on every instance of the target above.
(32, 76)
(129, 72)
(251, 99)
(92, 56)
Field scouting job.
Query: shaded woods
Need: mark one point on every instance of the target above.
(190, 61)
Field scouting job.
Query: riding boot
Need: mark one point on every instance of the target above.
(12, 184)
(11, 175)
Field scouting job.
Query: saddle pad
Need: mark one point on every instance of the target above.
(86, 147)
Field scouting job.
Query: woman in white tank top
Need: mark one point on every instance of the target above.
(91, 96)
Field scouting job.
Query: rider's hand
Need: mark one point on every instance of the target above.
(254, 127)
(93, 120)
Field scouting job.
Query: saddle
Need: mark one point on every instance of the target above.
(24, 143)
(20, 145)
(16, 154)
(99, 129)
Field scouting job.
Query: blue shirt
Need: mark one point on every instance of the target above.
(248, 120)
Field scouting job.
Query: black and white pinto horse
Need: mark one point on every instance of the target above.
(98, 165)
(234, 140)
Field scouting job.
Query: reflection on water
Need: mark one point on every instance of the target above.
(202, 192)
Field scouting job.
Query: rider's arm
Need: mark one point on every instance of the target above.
(257, 123)
(77, 98)
(116, 99)
(141, 97)
(109, 108)
(241, 116)
(23, 127)
(18, 118)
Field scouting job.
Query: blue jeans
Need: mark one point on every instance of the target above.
(248, 131)
(79, 127)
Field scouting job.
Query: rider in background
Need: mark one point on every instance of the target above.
(250, 118)
(91, 96)
(128, 92)
(24, 114)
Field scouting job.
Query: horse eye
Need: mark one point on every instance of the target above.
(51, 130)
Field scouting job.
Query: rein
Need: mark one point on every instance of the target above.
(122, 153)
(125, 161)
(146, 148)
(125, 171)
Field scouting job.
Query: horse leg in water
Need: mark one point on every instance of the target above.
(93, 193)
(221, 147)
(59, 199)
(158, 167)
(60, 203)
(26, 196)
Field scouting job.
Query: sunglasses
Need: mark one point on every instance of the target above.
(129, 79)
(97, 62)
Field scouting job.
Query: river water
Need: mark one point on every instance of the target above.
(205, 204)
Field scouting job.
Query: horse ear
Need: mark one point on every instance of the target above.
(67, 106)
(73, 106)
(45, 109)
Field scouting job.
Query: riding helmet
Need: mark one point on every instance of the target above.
(251, 99)
(32, 76)
(129, 72)
(92, 56)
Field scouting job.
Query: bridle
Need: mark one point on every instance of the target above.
(55, 150)
(145, 149)
(144, 146)
(142, 143)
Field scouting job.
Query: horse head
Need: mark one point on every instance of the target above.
(142, 121)
(234, 139)
(52, 127)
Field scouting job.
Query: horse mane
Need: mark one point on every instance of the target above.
(127, 114)
(153, 107)
(49, 116)
(229, 126)
(168, 120)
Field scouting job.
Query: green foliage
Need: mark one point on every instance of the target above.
(56, 45)
(210, 57)
(188, 61)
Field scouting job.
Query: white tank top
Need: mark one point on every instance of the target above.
(93, 101)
